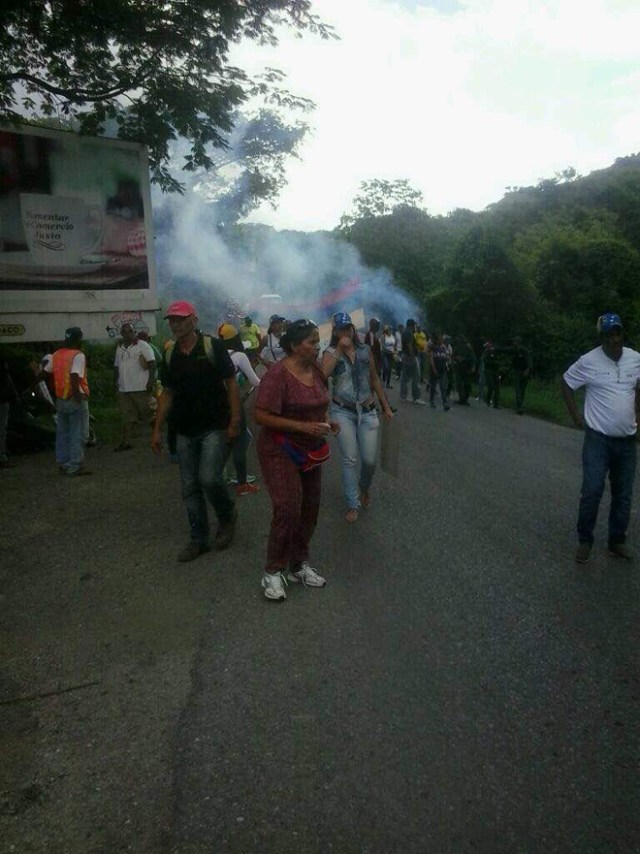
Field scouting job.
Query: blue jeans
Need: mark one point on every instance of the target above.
(201, 460)
(409, 375)
(69, 433)
(358, 437)
(602, 454)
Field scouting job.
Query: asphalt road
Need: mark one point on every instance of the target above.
(459, 685)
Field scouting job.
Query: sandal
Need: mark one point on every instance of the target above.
(351, 515)
(364, 499)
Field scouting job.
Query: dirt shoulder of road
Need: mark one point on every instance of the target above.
(99, 629)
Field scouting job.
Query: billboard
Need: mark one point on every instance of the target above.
(75, 227)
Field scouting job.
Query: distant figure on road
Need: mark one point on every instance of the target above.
(610, 375)
(68, 365)
(372, 340)
(247, 380)
(135, 377)
(520, 371)
(271, 351)
(251, 335)
(491, 366)
(292, 409)
(420, 337)
(465, 366)
(409, 359)
(354, 381)
(438, 360)
(201, 393)
(388, 355)
(398, 335)
(8, 395)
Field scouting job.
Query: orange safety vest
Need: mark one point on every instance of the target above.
(62, 360)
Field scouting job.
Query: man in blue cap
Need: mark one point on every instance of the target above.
(610, 375)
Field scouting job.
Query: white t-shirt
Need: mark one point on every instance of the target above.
(388, 343)
(610, 390)
(132, 376)
(272, 352)
(78, 365)
(243, 365)
(398, 336)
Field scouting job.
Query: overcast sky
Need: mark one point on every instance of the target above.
(461, 97)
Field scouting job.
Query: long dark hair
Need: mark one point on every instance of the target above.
(337, 334)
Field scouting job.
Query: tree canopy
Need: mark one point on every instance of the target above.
(159, 70)
(542, 263)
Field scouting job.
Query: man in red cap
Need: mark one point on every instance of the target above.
(201, 392)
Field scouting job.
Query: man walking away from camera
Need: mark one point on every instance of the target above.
(609, 374)
(68, 365)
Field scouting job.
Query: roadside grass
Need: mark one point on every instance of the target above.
(543, 399)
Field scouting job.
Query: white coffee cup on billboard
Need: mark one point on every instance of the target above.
(60, 230)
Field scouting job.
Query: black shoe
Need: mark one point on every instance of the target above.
(584, 553)
(192, 551)
(225, 532)
(619, 550)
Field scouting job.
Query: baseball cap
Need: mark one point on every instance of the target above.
(73, 333)
(226, 331)
(341, 319)
(608, 321)
(181, 308)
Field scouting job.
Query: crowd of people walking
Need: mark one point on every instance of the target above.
(196, 391)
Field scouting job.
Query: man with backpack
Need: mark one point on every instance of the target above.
(201, 392)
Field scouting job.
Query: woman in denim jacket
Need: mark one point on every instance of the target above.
(355, 379)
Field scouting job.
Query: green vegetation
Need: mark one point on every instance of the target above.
(543, 263)
(152, 72)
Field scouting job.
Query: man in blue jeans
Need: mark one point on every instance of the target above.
(201, 391)
(610, 375)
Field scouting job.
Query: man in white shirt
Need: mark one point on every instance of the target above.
(610, 375)
(135, 376)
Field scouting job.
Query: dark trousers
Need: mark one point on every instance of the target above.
(492, 380)
(438, 381)
(387, 367)
(601, 455)
(463, 382)
(520, 386)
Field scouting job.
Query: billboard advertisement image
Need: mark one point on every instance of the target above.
(75, 229)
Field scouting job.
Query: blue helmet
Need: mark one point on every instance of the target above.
(341, 320)
(608, 321)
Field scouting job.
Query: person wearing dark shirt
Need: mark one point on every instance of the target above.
(491, 362)
(439, 362)
(201, 392)
(8, 395)
(465, 363)
(373, 341)
(521, 371)
(410, 364)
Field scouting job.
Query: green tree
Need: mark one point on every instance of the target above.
(158, 70)
(379, 198)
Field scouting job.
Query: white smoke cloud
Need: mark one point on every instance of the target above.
(196, 263)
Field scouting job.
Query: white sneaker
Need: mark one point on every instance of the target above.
(306, 575)
(274, 584)
(420, 402)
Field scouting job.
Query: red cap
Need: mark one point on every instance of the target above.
(181, 308)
